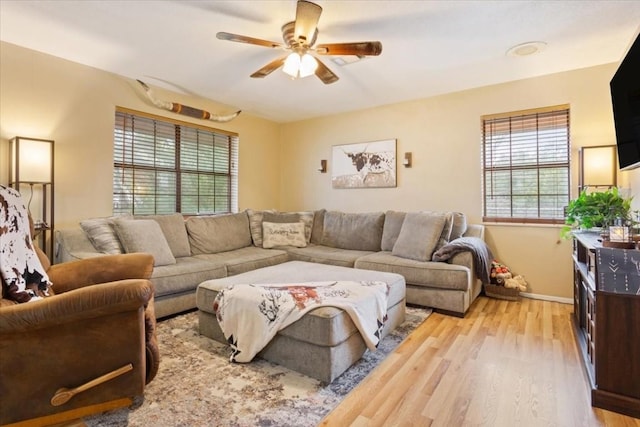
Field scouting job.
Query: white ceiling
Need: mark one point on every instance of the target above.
(429, 47)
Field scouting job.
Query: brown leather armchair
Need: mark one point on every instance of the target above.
(94, 337)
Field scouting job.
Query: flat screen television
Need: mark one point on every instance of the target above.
(625, 98)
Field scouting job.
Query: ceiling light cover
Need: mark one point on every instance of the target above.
(300, 66)
(292, 65)
(308, 65)
(526, 49)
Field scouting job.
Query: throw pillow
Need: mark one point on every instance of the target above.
(102, 235)
(174, 231)
(317, 226)
(459, 226)
(283, 234)
(281, 217)
(255, 225)
(392, 226)
(144, 235)
(419, 235)
(446, 231)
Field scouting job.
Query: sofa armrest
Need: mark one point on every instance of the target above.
(85, 303)
(72, 242)
(108, 268)
(464, 259)
(475, 230)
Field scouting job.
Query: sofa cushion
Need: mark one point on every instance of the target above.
(428, 274)
(283, 234)
(419, 235)
(246, 259)
(218, 233)
(392, 224)
(326, 255)
(102, 235)
(255, 225)
(174, 230)
(318, 226)
(356, 231)
(184, 275)
(144, 235)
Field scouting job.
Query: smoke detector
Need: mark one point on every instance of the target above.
(526, 49)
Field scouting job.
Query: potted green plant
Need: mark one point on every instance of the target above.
(596, 209)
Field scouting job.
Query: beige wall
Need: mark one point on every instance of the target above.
(46, 97)
(443, 133)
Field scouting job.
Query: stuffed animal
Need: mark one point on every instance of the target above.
(499, 273)
(516, 282)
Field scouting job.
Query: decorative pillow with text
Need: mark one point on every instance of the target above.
(283, 234)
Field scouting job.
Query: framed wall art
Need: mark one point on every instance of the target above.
(364, 165)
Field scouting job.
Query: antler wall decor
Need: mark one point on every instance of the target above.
(186, 110)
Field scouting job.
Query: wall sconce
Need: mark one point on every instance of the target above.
(407, 160)
(323, 166)
(598, 167)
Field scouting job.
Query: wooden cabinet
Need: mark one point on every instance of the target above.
(607, 325)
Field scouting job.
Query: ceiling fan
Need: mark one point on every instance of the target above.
(299, 38)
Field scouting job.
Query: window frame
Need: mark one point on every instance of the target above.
(181, 131)
(488, 166)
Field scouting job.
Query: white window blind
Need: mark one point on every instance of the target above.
(161, 166)
(526, 158)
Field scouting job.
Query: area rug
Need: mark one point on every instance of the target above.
(197, 386)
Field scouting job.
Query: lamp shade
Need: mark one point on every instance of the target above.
(598, 166)
(31, 160)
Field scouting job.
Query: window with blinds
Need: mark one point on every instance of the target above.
(526, 158)
(162, 166)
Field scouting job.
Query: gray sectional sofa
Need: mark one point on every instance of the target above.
(190, 251)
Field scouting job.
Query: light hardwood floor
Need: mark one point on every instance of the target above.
(505, 364)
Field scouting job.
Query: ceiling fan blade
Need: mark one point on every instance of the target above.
(269, 68)
(307, 17)
(325, 74)
(249, 40)
(357, 48)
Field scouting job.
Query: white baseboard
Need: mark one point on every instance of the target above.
(561, 300)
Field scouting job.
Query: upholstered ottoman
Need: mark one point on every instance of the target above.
(324, 342)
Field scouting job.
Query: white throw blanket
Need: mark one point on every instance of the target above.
(20, 268)
(251, 315)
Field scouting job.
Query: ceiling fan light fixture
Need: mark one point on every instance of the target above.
(292, 65)
(308, 65)
(300, 66)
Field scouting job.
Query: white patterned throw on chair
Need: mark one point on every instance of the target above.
(21, 270)
(251, 315)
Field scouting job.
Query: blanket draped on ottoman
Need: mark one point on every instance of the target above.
(251, 315)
